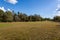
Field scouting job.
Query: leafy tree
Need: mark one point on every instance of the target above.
(56, 18)
(35, 17)
(9, 16)
(16, 18)
(1, 15)
(30, 18)
(5, 16)
(47, 19)
(23, 17)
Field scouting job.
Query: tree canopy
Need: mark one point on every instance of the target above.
(9, 16)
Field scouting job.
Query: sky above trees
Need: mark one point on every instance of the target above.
(45, 8)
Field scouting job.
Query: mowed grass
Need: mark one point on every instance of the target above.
(45, 30)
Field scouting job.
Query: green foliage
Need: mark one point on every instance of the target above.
(9, 16)
(16, 18)
(35, 18)
(6, 16)
(56, 18)
(47, 19)
(23, 17)
(1, 15)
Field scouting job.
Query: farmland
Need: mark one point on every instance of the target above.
(44, 30)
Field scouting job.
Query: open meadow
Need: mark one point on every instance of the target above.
(44, 30)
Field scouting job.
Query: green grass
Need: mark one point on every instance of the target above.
(30, 31)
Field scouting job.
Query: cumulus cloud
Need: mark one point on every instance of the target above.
(58, 9)
(58, 5)
(9, 9)
(2, 8)
(11, 1)
(58, 13)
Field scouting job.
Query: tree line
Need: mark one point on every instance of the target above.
(9, 16)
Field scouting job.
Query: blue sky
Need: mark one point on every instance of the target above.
(45, 8)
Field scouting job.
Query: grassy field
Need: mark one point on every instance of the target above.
(30, 31)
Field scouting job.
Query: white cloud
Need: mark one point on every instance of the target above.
(12, 1)
(58, 9)
(58, 5)
(2, 8)
(57, 13)
(9, 9)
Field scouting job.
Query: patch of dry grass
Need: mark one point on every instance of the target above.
(30, 31)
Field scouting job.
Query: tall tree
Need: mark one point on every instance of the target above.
(35, 17)
(23, 17)
(16, 18)
(9, 16)
(1, 15)
(56, 18)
